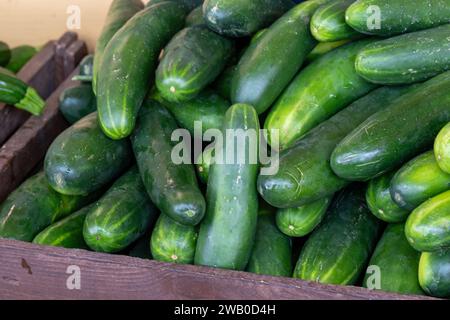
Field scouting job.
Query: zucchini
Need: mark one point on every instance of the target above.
(121, 216)
(227, 233)
(195, 17)
(320, 90)
(442, 149)
(20, 56)
(397, 261)
(86, 72)
(77, 102)
(223, 83)
(173, 242)
(5, 54)
(323, 48)
(15, 92)
(394, 135)
(395, 17)
(204, 163)
(82, 159)
(128, 64)
(434, 273)
(189, 4)
(338, 250)
(419, 180)
(408, 58)
(172, 187)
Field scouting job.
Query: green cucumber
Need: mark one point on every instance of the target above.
(323, 48)
(328, 22)
(82, 159)
(227, 233)
(77, 102)
(121, 216)
(195, 17)
(223, 83)
(172, 187)
(395, 17)
(173, 242)
(380, 201)
(34, 206)
(428, 226)
(301, 221)
(394, 135)
(434, 273)
(86, 72)
(128, 64)
(419, 180)
(19, 57)
(237, 18)
(269, 64)
(189, 4)
(120, 11)
(397, 263)
(204, 162)
(338, 250)
(319, 91)
(5, 54)
(442, 148)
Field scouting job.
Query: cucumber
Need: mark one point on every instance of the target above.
(442, 149)
(269, 64)
(120, 11)
(427, 228)
(173, 242)
(237, 18)
(396, 134)
(66, 233)
(301, 221)
(82, 159)
(380, 201)
(223, 83)
(128, 64)
(172, 187)
(399, 16)
(227, 234)
(15, 92)
(121, 216)
(419, 180)
(323, 48)
(434, 273)
(19, 57)
(141, 248)
(319, 91)
(86, 72)
(328, 22)
(338, 250)
(304, 174)
(189, 4)
(191, 61)
(77, 102)
(5, 54)
(272, 252)
(204, 162)
(397, 261)
(195, 17)
(33, 206)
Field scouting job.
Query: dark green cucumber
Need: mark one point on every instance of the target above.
(223, 83)
(128, 65)
(173, 242)
(82, 159)
(34, 206)
(5, 54)
(189, 4)
(121, 216)
(320, 90)
(427, 228)
(77, 102)
(300, 221)
(191, 61)
(408, 58)
(19, 57)
(397, 263)
(328, 22)
(15, 92)
(304, 173)
(120, 11)
(394, 135)
(227, 234)
(380, 201)
(338, 250)
(203, 163)
(434, 273)
(141, 248)
(237, 18)
(195, 17)
(323, 48)
(272, 252)
(269, 64)
(395, 17)
(66, 233)
(86, 72)
(442, 149)
(172, 187)
(419, 180)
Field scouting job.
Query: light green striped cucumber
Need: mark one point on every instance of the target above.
(442, 149)
(434, 273)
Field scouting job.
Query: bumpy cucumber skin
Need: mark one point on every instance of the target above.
(397, 261)
(394, 135)
(19, 57)
(121, 216)
(418, 180)
(442, 149)
(227, 233)
(195, 17)
(128, 64)
(173, 188)
(77, 102)
(82, 159)
(5, 54)
(434, 273)
(203, 165)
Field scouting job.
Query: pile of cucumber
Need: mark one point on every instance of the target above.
(362, 108)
